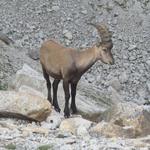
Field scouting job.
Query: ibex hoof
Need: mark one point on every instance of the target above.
(57, 109)
(67, 115)
(74, 111)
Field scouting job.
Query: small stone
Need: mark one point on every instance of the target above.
(49, 10)
(68, 18)
(148, 62)
(52, 122)
(115, 21)
(120, 37)
(116, 14)
(41, 34)
(64, 135)
(67, 42)
(68, 34)
(123, 78)
(121, 3)
(132, 47)
(55, 8)
(148, 85)
(132, 58)
(72, 124)
(84, 12)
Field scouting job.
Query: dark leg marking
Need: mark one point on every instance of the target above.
(55, 88)
(67, 96)
(46, 76)
(73, 95)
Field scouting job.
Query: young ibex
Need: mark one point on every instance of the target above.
(69, 65)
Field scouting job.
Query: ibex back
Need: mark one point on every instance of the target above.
(69, 65)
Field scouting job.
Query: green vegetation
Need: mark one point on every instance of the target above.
(10, 146)
(3, 86)
(45, 147)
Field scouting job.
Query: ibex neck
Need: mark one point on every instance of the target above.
(86, 59)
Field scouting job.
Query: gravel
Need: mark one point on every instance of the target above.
(60, 140)
(31, 22)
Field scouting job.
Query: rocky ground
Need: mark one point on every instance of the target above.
(28, 23)
(114, 124)
(33, 137)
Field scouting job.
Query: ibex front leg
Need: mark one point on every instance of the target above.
(55, 88)
(67, 96)
(73, 95)
(46, 76)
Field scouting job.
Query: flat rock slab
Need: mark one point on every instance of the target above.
(24, 106)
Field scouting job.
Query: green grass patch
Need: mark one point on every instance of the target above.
(10, 146)
(45, 147)
(3, 86)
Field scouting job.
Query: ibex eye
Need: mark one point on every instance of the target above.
(105, 50)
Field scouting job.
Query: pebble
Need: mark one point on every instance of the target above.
(132, 47)
(68, 34)
(55, 8)
(123, 78)
(84, 12)
(148, 85)
(148, 62)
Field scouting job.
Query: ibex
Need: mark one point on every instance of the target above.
(69, 65)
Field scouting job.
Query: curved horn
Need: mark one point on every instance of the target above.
(105, 34)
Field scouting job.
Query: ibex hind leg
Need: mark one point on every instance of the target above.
(46, 76)
(55, 88)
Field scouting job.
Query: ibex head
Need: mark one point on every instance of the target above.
(104, 47)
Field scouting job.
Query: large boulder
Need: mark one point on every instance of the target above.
(90, 102)
(126, 120)
(23, 106)
(28, 77)
(112, 130)
(12, 57)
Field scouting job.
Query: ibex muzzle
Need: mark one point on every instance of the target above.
(105, 54)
